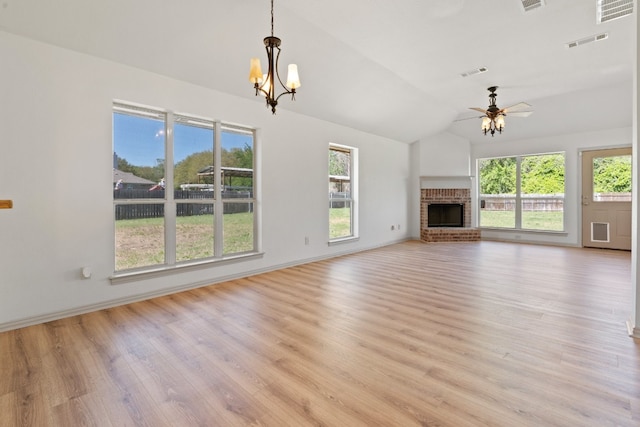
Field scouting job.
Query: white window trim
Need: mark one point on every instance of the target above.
(170, 265)
(353, 180)
(518, 196)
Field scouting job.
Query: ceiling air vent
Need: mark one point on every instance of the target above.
(586, 40)
(474, 72)
(529, 5)
(608, 10)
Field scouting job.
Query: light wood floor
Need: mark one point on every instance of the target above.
(452, 334)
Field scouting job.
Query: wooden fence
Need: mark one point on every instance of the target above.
(156, 210)
(337, 200)
(540, 203)
(532, 203)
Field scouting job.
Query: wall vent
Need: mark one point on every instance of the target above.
(594, 38)
(608, 10)
(600, 232)
(529, 5)
(474, 72)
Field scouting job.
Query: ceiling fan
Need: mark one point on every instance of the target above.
(493, 119)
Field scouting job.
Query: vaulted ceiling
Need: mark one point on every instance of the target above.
(392, 68)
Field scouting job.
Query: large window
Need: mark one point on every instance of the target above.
(169, 208)
(522, 192)
(342, 192)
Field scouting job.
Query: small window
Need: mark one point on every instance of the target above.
(342, 192)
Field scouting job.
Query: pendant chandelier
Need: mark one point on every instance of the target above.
(266, 83)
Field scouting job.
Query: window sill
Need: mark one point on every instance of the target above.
(149, 273)
(342, 241)
(526, 231)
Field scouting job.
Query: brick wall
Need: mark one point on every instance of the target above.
(446, 234)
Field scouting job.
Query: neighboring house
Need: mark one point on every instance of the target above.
(131, 181)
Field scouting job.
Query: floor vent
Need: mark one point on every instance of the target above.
(529, 5)
(586, 40)
(608, 10)
(474, 72)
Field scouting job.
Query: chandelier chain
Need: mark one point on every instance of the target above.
(271, 18)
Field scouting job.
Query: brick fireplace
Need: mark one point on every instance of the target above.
(444, 196)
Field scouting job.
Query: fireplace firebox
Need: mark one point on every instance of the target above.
(445, 215)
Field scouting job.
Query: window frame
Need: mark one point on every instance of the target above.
(170, 203)
(518, 196)
(353, 194)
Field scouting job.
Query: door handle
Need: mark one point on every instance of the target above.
(585, 200)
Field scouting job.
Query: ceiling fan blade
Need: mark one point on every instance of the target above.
(520, 114)
(482, 110)
(468, 118)
(517, 107)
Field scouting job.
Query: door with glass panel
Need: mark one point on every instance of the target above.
(606, 198)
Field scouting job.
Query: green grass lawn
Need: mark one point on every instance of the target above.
(537, 220)
(140, 242)
(339, 222)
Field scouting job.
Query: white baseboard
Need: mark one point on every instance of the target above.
(35, 320)
(634, 332)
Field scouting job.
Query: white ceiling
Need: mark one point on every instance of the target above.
(389, 67)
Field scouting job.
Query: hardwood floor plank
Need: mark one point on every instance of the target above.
(452, 334)
(81, 411)
(8, 409)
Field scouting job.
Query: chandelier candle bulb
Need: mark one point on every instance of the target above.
(293, 80)
(255, 74)
(486, 123)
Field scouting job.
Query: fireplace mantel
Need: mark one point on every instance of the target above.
(444, 182)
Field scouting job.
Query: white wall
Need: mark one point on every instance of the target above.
(56, 166)
(442, 155)
(572, 145)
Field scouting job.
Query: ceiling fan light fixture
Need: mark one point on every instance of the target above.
(494, 117)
